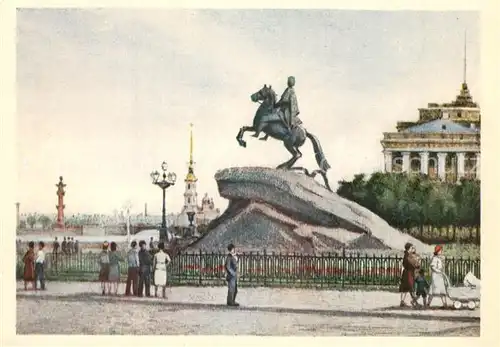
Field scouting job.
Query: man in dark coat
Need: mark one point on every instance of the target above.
(145, 263)
(55, 246)
(69, 245)
(64, 245)
(232, 275)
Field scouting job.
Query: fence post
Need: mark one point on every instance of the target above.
(250, 267)
(343, 268)
(200, 279)
(322, 269)
(272, 266)
(375, 269)
(265, 267)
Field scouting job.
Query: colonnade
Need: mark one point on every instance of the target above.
(423, 158)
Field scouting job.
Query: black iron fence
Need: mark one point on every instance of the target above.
(329, 270)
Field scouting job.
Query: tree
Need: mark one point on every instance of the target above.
(31, 220)
(421, 187)
(467, 196)
(354, 190)
(45, 221)
(410, 201)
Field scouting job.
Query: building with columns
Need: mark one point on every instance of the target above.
(204, 213)
(444, 143)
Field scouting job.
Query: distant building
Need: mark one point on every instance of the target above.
(202, 214)
(444, 143)
(207, 212)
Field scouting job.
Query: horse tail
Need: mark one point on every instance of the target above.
(318, 152)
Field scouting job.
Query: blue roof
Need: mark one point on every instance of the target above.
(440, 126)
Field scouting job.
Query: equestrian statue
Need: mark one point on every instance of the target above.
(279, 120)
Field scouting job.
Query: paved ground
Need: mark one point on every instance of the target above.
(78, 308)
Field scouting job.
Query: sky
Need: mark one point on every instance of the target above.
(104, 96)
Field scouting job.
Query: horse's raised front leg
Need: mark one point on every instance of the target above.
(242, 131)
(294, 151)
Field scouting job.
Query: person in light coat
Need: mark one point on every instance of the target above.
(160, 261)
(40, 265)
(114, 268)
(439, 280)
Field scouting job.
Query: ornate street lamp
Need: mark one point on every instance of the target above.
(167, 181)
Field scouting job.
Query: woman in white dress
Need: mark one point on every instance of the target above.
(160, 262)
(439, 280)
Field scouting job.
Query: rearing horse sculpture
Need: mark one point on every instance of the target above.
(273, 124)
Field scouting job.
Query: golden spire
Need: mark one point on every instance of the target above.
(465, 57)
(191, 145)
(190, 177)
(464, 99)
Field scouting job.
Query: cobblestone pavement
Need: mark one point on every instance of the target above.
(78, 308)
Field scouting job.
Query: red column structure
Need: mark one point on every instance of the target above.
(60, 206)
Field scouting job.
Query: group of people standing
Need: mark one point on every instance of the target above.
(148, 267)
(68, 246)
(34, 266)
(143, 266)
(413, 279)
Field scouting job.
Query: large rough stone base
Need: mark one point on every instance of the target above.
(287, 211)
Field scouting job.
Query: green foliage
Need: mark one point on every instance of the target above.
(406, 201)
(31, 220)
(45, 221)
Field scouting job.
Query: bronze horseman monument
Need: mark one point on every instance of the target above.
(286, 209)
(280, 121)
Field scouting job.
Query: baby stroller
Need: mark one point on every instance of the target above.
(468, 296)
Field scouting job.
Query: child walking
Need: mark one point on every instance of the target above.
(421, 286)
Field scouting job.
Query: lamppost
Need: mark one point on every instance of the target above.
(126, 206)
(167, 181)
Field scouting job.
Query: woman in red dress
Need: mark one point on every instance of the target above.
(29, 266)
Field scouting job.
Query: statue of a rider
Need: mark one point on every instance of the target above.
(288, 107)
